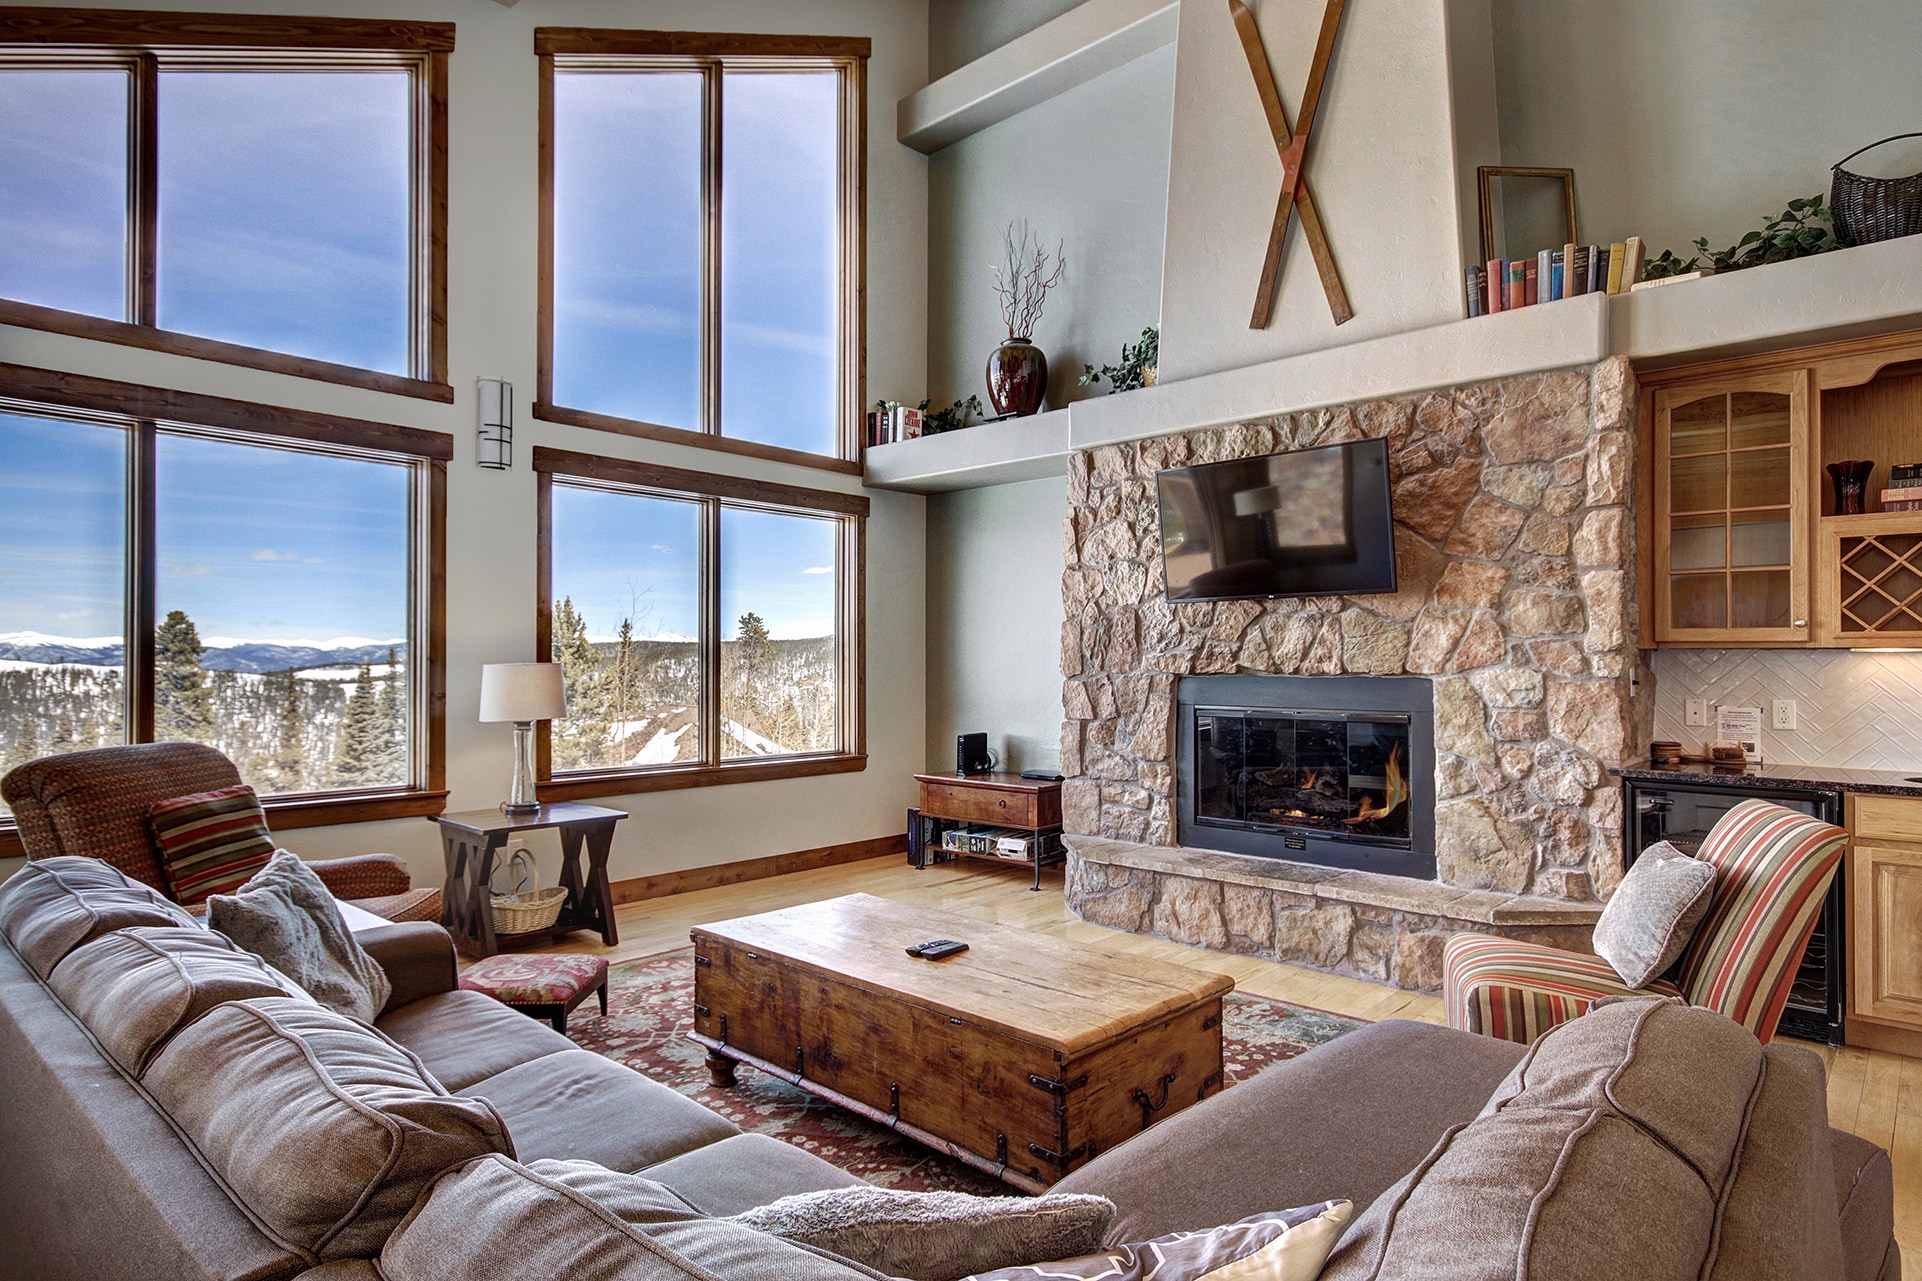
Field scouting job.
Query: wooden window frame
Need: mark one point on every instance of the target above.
(648, 479)
(148, 408)
(138, 41)
(712, 53)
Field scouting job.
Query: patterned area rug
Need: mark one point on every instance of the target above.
(650, 1010)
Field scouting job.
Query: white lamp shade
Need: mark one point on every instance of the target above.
(521, 692)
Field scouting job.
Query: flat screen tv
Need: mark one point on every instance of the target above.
(1311, 522)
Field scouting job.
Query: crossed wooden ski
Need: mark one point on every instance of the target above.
(1293, 148)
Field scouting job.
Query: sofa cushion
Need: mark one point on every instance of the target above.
(578, 1106)
(745, 1171)
(1378, 1097)
(1630, 1115)
(1281, 1245)
(53, 905)
(938, 1236)
(135, 988)
(497, 1220)
(1652, 914)
(211, 842)
(464, 1037)
(288, 917)
(323, 1128)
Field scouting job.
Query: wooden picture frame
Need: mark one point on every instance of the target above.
(1485, 194)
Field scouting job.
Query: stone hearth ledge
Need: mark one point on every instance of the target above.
(1387, 928)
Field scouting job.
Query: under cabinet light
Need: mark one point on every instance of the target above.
(495, 446)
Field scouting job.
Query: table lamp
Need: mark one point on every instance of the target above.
(522, 693)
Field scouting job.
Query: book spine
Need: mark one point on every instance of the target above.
(1517, 286)
(1597, 269)
(1632, 253)
(1616, 253)
(1497, 275)
(1545, 275)
(1477, 286)
(1557, 282)
(1576, 256)
(1531, 281)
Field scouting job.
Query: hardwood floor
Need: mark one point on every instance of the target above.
(1871, 1093)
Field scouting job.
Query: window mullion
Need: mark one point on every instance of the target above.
(143, 187)
(710, 633)
(142, 560)
(711, 79)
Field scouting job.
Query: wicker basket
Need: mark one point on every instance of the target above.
(1871, 209)
(524, 912)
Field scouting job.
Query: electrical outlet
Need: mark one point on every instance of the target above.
(1695, 713)
(1782, 714)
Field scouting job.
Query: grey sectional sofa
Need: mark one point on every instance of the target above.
(151, 1161)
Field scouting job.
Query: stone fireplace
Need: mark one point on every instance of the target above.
(1514, 544)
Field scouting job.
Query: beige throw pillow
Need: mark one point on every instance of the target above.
(1648, 923)
(936, 1236)
(1282, 1245)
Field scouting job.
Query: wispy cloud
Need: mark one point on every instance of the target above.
(818, 569)
(663, 548)
(268, 553)
(190, 571)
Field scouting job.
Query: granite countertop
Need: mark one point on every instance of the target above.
(1881, 782)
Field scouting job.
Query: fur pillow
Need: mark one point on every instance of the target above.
(1282, 1245)
(936, 1236)
(287, 918)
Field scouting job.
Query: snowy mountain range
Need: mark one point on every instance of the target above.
(224, 653)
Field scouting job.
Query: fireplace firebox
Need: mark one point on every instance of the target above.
(1330, 770)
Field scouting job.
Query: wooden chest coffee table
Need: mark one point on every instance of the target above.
(1024, 1056)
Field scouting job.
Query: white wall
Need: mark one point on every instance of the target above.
(994, 621)
(1382, 165)
(1852, 710)
(1087, 170)
(491, 518)
(1686, 118)
(959, 31)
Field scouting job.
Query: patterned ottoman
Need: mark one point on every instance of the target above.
(542, 985)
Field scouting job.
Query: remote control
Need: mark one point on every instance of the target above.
(936, 949)
(1041, 776)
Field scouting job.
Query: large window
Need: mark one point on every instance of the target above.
(262, 191)
(701, 238)
(181, 568)
(708, 629)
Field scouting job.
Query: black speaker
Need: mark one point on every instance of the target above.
(971, 754)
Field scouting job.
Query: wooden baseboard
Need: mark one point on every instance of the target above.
(754, 869)
(1863, 1034)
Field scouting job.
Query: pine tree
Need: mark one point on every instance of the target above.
(754, 661)
(624, 674)
(393, 715)
(183, 700)
(362, 738)
(581, 739)
(286, 769)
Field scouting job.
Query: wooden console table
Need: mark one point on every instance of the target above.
(471, 839)
(998, 800)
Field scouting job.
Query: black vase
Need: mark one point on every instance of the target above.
(1851, 479)
(1017, 377)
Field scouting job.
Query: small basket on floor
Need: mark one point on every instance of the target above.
(525, 912)
(541, 985)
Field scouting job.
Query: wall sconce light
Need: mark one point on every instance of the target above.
(495, 447)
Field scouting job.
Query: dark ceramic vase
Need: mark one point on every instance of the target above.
(1017, 377)
(1851, 485)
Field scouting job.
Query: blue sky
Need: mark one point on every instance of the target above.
(624, 556)
(295, 239)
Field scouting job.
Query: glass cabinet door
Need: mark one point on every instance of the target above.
(1730, 527)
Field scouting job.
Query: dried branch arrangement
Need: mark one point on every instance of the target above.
(1022, 279)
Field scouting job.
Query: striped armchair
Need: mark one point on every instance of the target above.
(96, 803)
(1772, 871)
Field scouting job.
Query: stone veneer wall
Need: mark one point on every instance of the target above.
(1514, 541)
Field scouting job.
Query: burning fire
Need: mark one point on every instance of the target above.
(1397, 793)
(1308, 782)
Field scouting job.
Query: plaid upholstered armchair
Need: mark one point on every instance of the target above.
(96, 803)
(1772, 871)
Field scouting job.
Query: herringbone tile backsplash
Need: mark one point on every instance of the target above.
(1860, 711)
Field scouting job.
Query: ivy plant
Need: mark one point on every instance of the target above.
(1806, 227)
(1137, 367)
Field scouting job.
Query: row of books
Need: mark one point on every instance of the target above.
(1506, 284)
(896, 423)
(1904, 493)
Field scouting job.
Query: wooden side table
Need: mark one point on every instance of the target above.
(997, 800)
(471, 839)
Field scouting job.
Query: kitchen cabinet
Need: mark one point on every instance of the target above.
(1741, 542)
(1884, 867)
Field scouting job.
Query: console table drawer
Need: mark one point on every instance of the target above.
(1887, 818)
(987, 805)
